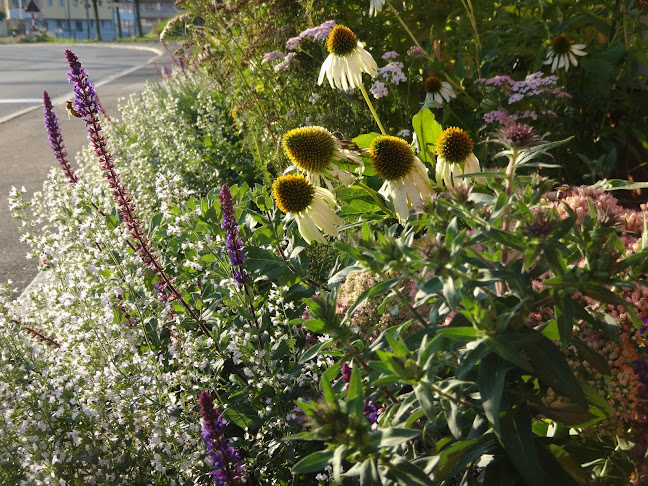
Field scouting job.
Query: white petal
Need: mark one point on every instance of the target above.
(345, 178)
(307, 229)
(554, 65)
(324, 70)
(399, 200)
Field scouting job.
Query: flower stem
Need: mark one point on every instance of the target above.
(375, 197)
(373, 111)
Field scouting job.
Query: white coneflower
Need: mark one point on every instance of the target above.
(562, 53)
(309, 205)
(315, 150)
(347, 60)
(438, 90)
(375, 6)
(406, 179)
(455, 157)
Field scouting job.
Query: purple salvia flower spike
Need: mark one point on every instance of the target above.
(229, 467)
(233, 241)
(56, 139)
(87, 105)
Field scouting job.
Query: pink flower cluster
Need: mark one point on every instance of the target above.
(533, 85)
(321, 32)
(623, 391)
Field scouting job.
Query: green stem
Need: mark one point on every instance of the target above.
(400, 20)
(373, 111)
(375, 197)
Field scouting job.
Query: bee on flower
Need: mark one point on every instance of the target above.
(315, 150)
(455, 157)
(437, 90)
(347, 60)
(562, 53)
(406, 182)
(309, 205)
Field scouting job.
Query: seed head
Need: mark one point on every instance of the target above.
(432, 85)
(561, 44)
(391, 157)
(454, 145)
(341, 41)
(309, 148)
(293, 193)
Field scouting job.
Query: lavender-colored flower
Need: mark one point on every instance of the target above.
(370, 411)
(272, 56)
(233, 241)
(292, 43)
(283, 65)
(229, 467)
(320, 32)
(392, 72)
(390, 55)
(378, 89)
(56, 139)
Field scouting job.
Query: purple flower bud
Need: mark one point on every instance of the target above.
(56, 139)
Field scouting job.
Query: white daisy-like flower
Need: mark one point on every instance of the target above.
(309, 205)
(347, 60)
(562, 53)
(438, 90)
(315, 150)
(455, 158)
(406, 179)
(375, 6)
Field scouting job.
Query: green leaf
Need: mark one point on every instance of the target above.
(313, 462)
(570, 415)
(449, 457)
(427, 131)
(355, 395)
(394, 437)
(407, 473)
(569, 464)
(596, 361)
(564, 312)
(551, 368)
(364, 141)
(618, 184)
(490, 381)
(313, 351)
(518, 442)
(506, 350)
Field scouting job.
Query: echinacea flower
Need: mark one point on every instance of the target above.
(315, 151)
(437, 90)
(308, 204)
(455, 157)
(406, 179)
(347, 60)
(375, 6)
(562, 53)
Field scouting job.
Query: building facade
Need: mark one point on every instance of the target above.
(75, 19)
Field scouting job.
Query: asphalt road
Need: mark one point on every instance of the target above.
(25, 155)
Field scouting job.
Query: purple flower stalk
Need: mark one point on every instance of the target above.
(87, 105)
(56, 139)
(229, 467)
(233, 241)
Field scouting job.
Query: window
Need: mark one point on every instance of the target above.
(60, 3)
(49, 3)
(78, 26)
